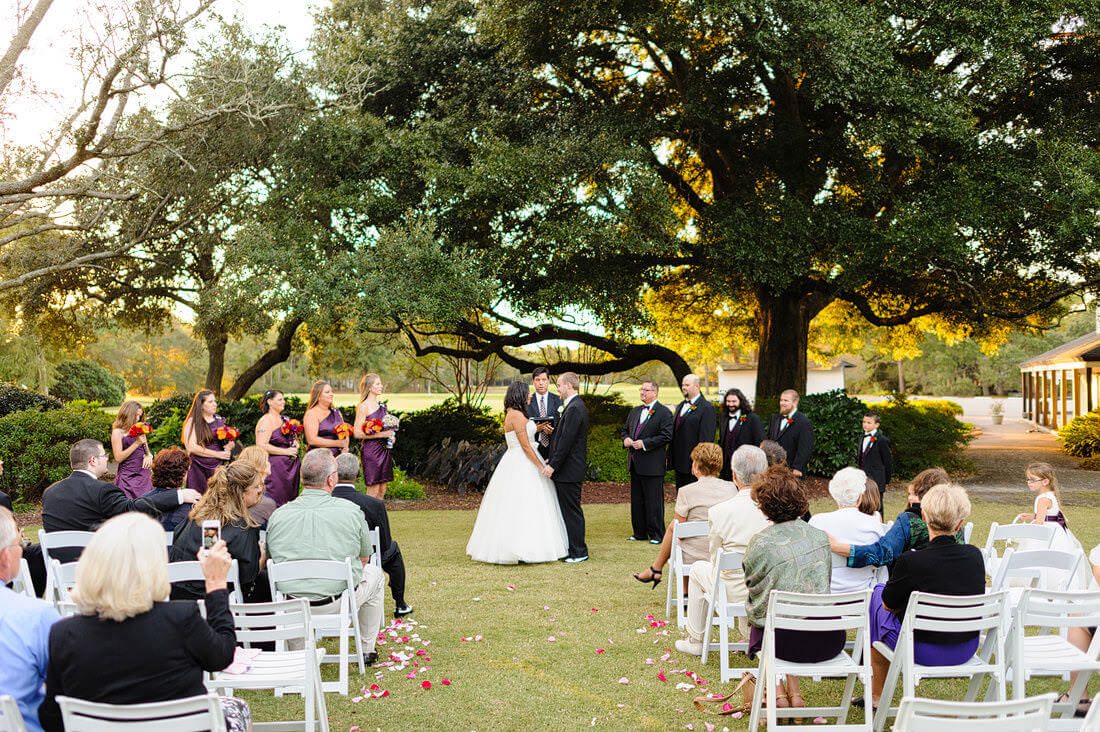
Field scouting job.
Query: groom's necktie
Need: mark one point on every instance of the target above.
(544, 439)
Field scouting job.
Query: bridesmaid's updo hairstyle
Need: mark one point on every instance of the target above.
(128, 415)
(268, 396)
(516, 397)
(315, 393)
(365, 384)
(199, 428)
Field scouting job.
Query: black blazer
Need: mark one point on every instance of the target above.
(688, 431)
(656, 434)
(243, 543)
(374, 511)
(569, 444)
(6, 502)
(877, 462)
(553, 401)
(749, 430)
(944, 567)
(159, 655)
(797, 439)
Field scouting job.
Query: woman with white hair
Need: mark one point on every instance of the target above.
(128, 644)
(856, 521)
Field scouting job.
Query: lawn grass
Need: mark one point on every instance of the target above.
(516, 677)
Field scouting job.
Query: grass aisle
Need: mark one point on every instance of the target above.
(536, 665)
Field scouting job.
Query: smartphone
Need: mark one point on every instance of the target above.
(211, 534)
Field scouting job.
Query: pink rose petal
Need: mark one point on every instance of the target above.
(511, 588)
(595, 609)
(727, 707)
(446, 682)
(551, 639)
(425, 684)
(661, 676)
(624, 680)
(601, 650)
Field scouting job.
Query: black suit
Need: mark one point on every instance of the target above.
(5, 501)
(876, 460)
(647, 469)
(695, 426)
(569, 459)
(553, 401)
(81, 503)
(747, 430)
(797, 439)
(158, 655)
(374, 511)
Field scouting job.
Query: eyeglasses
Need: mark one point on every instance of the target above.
(1035, 480)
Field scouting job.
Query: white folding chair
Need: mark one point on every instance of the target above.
(193, 714)
(68, 609)
(951, 614)
(54, 540)
(294, 671)
(678, 570)
(1091, 722)
(338, 625)
(795, 611)
(968, 531)
(22, 583)
(721, 612)
(1050, 654)
(169, 537)
(376, 548)
(1037, 536)
(63, 579)
(10, 718)
(192, 572)
(1044, 569)
(933, 715)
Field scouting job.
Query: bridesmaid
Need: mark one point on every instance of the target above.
(282, 450)
(131, 453)
(377, 458)
(321, 419)
(207, 451)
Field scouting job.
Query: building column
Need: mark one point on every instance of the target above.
(1088, 388)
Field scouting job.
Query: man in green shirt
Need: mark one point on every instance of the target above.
(316, 525)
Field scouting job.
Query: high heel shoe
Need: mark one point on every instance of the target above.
(654, 577)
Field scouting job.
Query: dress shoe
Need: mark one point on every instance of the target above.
(576, 560)
(402, 611)
(686, 645)
(634, 538)
(654, 541)
(370, 658)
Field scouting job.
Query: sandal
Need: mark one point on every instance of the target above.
(654, 577)
(725, 705)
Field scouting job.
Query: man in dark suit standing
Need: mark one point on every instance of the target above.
(738, 426)
(694, 422)
(873, 455)
(646, 435)
(792, 429)
(569, 463)
(81, 502)
(543, 408)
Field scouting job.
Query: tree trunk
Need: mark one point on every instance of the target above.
(215, 362)
(783, 339)
(270, 358)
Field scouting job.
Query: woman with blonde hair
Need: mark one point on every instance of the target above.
(321, 420)
(232, 491)
(128, 644)
(200, 439)
(375, 451)
(257, 457)
(131, 452)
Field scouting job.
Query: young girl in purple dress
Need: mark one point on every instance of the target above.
(131, 453)
(321, 419)
(199, 439)
(376, 455)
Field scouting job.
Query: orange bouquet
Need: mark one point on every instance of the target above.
(343, 431)
(226, 433)
(138, 429)
(372, 426)
(291, 427)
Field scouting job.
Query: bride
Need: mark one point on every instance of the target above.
(519, 519)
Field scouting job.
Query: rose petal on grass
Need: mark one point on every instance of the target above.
(620, 706)
(727, 707)
(356, 699)
(425, 684)
(446, 682)
(624, 680)
(601, 650)
(709, 726)
(551, 639)
(594, 609)
(649, 662)
(661, 676)
(477, 599)
(820, 720)
(510, 588)
(545, 607)
(477, 638)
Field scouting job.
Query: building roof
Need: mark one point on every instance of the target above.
(1085, 348)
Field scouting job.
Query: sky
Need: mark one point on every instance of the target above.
(49, 67)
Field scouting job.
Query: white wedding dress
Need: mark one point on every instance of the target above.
(519, 519)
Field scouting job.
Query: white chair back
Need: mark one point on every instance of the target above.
(192, 572)
(62, 578)
(22, 583)
(1048, 653)
(1047, 569)
(1036, 536)
(10, 718)
(933, 715)
(968, 531)
(376, 548)
(52, 541)
(194, 714)
(678, 569)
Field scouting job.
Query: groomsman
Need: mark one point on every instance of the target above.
(646, 435)
(543, 405)
(695, 422)
(873, 455)
(738, 426)
(792, 429)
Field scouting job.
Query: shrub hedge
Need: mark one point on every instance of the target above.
(1081, 436)
(426, 429)
(87, 380)
(923, 437)
(18, 399)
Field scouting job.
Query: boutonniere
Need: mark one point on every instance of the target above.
(649, 411)
(790, 421)
(693, 407)
(874, 439)
(743, 418)
(561, 408)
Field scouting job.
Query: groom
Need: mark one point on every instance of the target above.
(568, 462)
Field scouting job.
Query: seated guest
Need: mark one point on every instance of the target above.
(230, 492)
(374, 511)
(792, 556)
(81, 502)
(315, 525)
(256, 456)
(24, 630)
(856, 521)
(943, 567)
(169, 470)
(693, 502)
(733, 524)
(128, 645)
(908, 532)
(776, 453)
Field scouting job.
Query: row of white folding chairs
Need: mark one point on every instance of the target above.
(62, 578)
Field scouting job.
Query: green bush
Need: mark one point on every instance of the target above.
(166, 417)
(948, 407)
(1090, 463)
(837, 420)
(88, 380)
(19, 399)
(606, 456)
(35, 446)
(1081, 436)
(425, 429)
(404, 488)
(923, 437)
(606, 409)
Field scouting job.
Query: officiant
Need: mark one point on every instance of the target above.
(646, 435)
(542, 407)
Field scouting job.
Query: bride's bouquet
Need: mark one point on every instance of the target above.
(391, 422)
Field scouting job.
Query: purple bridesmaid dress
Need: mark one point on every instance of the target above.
(132, 479)
(203, 467)
(377, 458)
(327, 428)
(282, 483)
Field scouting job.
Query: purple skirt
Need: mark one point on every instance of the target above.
(799, 646)
(885, 626)
(201, 469)
(132, 479)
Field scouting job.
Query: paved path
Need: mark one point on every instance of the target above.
(1001, 453)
